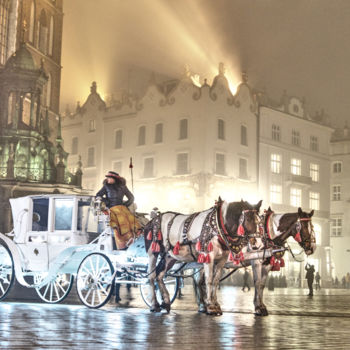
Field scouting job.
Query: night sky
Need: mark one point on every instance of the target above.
(301, 46)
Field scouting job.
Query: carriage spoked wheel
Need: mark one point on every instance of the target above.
(95, 280)
(172, 285)
(56, 290)
(7, 272)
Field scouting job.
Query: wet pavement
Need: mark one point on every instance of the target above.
(296, 321)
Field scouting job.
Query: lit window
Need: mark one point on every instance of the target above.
(276, 133)
(295, 166)
(159, 133)
(336, 192)
(92, 125)
(142, 136)
(118, 139)
(220, 164)
(244, 136)
(318, 234)
(221, 129)
(243, 168)
(51, 36)
(276, 194)
(314, 200)
(63, 214)
(183, 129)
(315, 172)
(117, 166)
(4, 26)
(148, 170)
(337, 167)
(314, 143)
(336, 226)
(48, 90)
(91, 157)
(31, 22)
(295, 197)
(43, 31)
(276, 163)
(182, 163)
(74, 145)
(295, 138)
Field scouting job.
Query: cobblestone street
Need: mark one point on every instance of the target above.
(296, 321)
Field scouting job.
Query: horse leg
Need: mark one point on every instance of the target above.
(257, 274)
(208, 272)
(216, 280)
(199, 290)
(264, 273)
(152, 260)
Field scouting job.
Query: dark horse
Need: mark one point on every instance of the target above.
(277, 228)
(206, 237)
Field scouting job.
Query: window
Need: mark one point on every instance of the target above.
(276, 163)
(336, 226)
(4, 26)
(117, 166)
(118, 139)
(148, 167)
(91, 157)
(31, 22)
(276, 132)
(182, 163)
(314, 143)
(220, 164)
(26, 109)
(11, 107)
(183, 129)
(74, 145)
(40, 214)
(336, 193)
(243, 168)
(159, 133)
(276, 194)
(142, 136)
(43, 31)
(63, 214)
(295, 197)
(221, 129)
(295, 166)
(48, 91)
(315, 172)
(314, 200)
(244, 137)
(51, 36)
(318, 234)
(92, 125)
(295, 138)
(337, 167)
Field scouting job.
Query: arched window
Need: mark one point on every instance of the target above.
(51, 36)
(43, 32)
(31, 22)
(4, 26)
(48, 91)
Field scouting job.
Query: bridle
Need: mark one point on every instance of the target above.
(307, 242)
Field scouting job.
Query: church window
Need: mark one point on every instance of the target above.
(4, 26)
(11, 107)
(43, 31)
(26, 109)
(48, 91)
(51, 33)
(31, 22)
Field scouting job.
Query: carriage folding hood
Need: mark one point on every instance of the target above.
(20, 211)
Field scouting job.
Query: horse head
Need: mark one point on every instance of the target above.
(242, 218)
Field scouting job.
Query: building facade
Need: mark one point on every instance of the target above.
(340, 200)
(190, 144)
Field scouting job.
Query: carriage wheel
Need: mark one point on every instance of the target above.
(172, 285)
(94, 280)
(7, 273)
(57, 290)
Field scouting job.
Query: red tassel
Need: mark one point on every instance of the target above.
(282, 264)
(276, 267)
(210, 247)
(198, 246)
(149, 236)
(236, 261)
(155, 247)
(297, 237)
(176, 248)
(201, 258)
(241, 256)
(272, 261)
(230, 257)
(207, 259)
(159, 237)
(240, 230)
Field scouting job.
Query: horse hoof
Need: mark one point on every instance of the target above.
(166, 307)
(264, 312)
(258, 312)
(155, 308)
(202, 309)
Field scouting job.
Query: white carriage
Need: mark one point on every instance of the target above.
(56, 238)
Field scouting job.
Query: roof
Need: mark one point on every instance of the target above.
(21, 59)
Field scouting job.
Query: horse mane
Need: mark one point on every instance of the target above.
(286, 221)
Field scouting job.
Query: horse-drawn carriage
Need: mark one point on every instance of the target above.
(57, 238)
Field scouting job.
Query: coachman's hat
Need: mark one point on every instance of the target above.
(113, 174)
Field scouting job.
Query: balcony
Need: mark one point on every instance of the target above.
(298, 179)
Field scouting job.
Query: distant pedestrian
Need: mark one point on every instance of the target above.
(246, 280)
(347, 280)
(310, 275)
(271, 283)
(317, 279)
(336, 282)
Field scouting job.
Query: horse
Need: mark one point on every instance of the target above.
(205, 237)
(277, 228)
